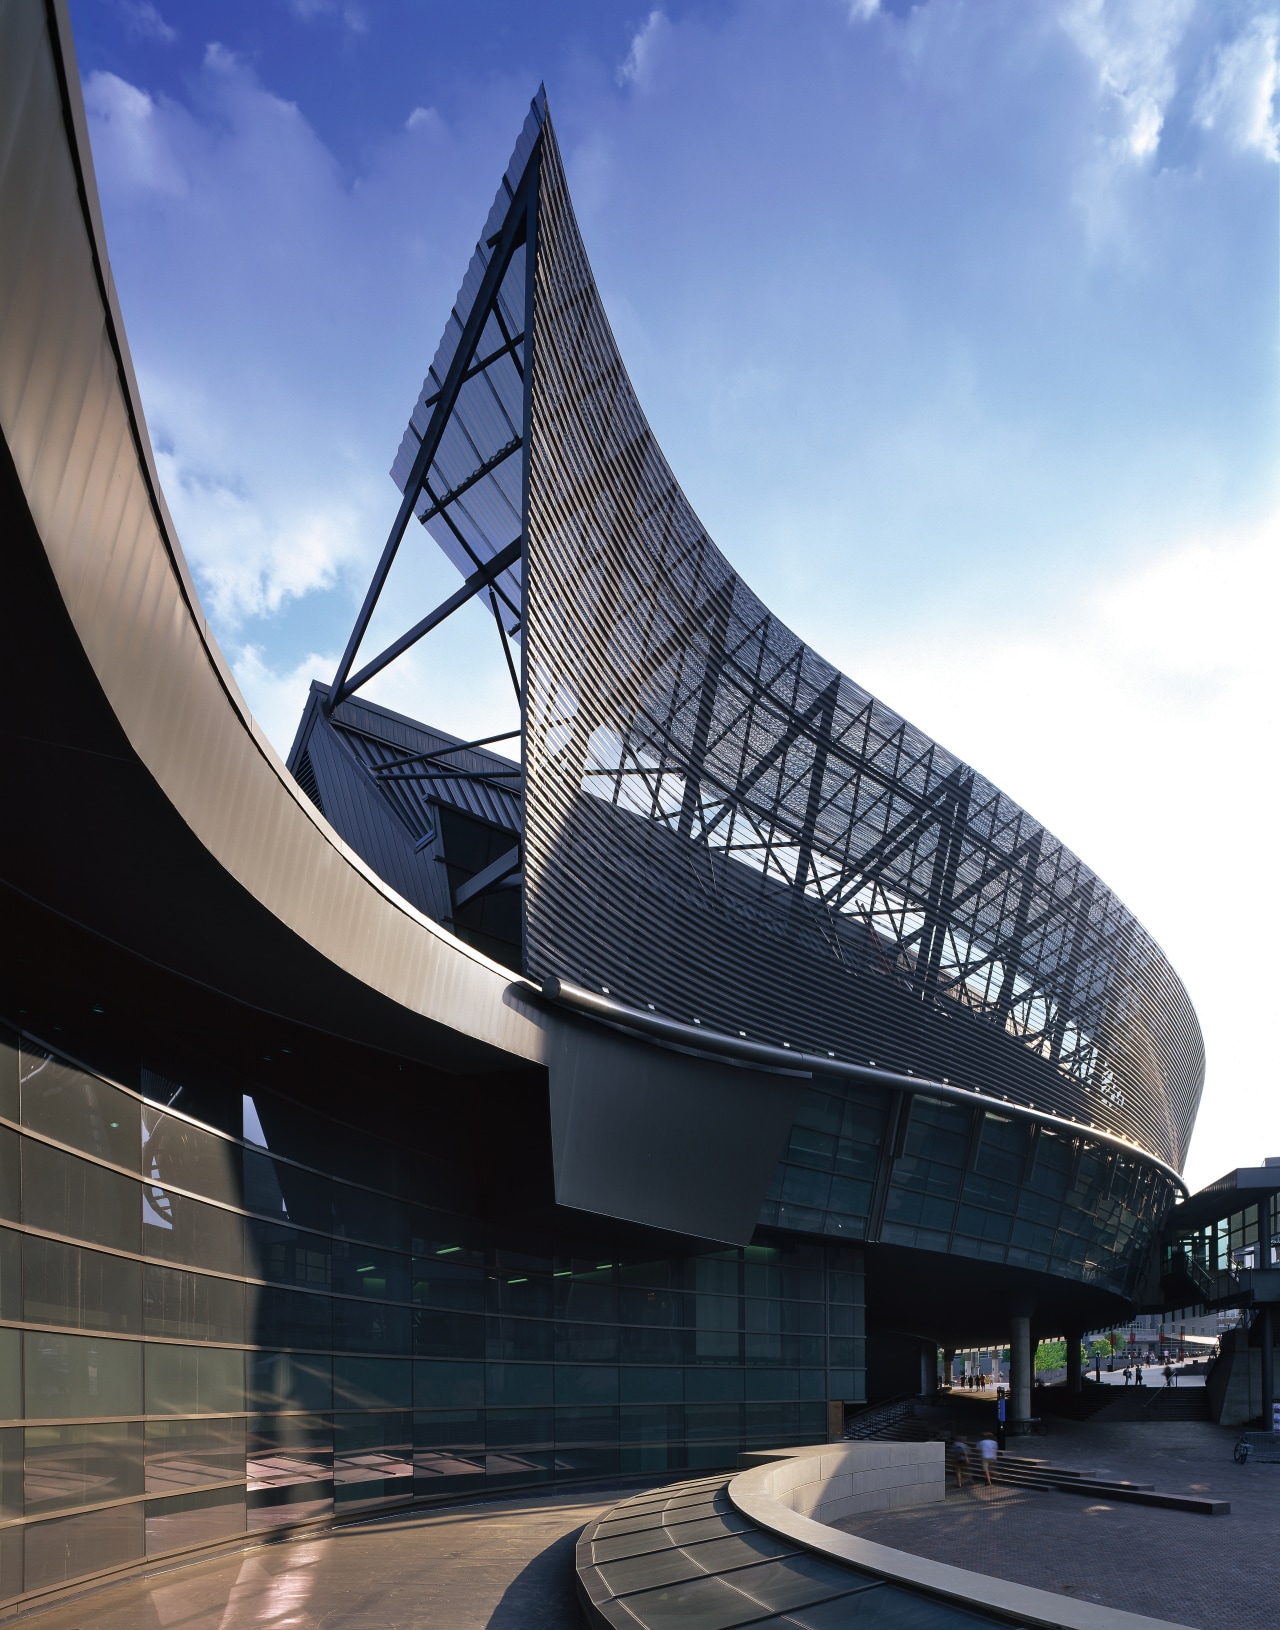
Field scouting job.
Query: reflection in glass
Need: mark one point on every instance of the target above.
(194, 1519)
(69, 1547)
(82, 1465)
(181, 1455)
(65, 1103)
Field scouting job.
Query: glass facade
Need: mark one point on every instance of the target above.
(218, 1320)
(971, 1182)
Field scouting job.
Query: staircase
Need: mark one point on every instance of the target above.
(1021, 1472)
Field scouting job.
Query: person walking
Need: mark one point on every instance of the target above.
(987, 1449)
(960, 1459)
(1128, 1375)
(1168, 1375)
(1137, 1376)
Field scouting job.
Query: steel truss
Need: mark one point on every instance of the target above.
(774, 789)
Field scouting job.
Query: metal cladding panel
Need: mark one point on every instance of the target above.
(654, 1137)
(85, 492)
(722, 826)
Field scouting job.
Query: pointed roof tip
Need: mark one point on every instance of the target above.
(539, 103)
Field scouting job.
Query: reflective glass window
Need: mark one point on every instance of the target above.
(193, 1380)
(66, 1195)
(10, 1472)
(287, 1193)
(69, 1547)
(370, 1270)
(70, 1466)
(192, 1306)
(441, 1282)
(10, 1375)
(370, 1327)
(81, 1375)
(288, 1318)
(357, 1214)
(582, 1296)
(180, 1229)
(8, 1075)
(181, 1455)
(521, 1338)
(67, 1104)
(10, 1274)
(372, 1458)
(650, 1386)
(290, 1381)
(178, 1155)
(194, 1519)
(525, 1428)
(441, 1385)
(288, 1255)
(286, 1450)
(586, 1384)
(518, 1383)
(10, 1184)
(438, 1334)
(597, 1424)
(372, 1383)
(65, 1284)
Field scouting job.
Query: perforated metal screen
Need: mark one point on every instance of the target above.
(722, 826)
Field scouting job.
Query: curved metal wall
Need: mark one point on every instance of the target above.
(722, 826)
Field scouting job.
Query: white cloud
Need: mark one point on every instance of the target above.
(646, 49)
(144, 21)
(862, 11)
(129, 139)
(1140, 726)
(1239, 93)
(1132, 45)
(424, 119)
(276, 698)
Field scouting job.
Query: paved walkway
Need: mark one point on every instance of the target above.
(496, 1566)
(1201, 1571)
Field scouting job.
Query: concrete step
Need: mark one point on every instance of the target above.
(1066, 1480)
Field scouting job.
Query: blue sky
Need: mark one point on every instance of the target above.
(957, 320)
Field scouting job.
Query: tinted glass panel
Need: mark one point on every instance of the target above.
(184, 1454)
(66, 1284)
(82, 1465)
(180, 1229)
(177, 1154)
(193, 1306)
(75, 1108)
(193, 1380)
(81, 1375)
(194, 1519)
(68, 1547)
(67, 1195)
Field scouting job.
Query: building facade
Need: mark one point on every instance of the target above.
(422, 1118)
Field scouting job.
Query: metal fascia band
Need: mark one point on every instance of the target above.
(697, 1038)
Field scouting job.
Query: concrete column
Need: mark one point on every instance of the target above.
(928, 1368)
(1073, 1361)
(1266, 1327)
(1020, 1367)
(948, 1364)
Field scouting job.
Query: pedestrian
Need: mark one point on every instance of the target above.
(1168, 1375)
(1137, 1376)
(960, 1459)
(987, 1449)
(1128, 1375)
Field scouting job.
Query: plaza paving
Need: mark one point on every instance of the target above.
(1200, 1571)
(504, 1566)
